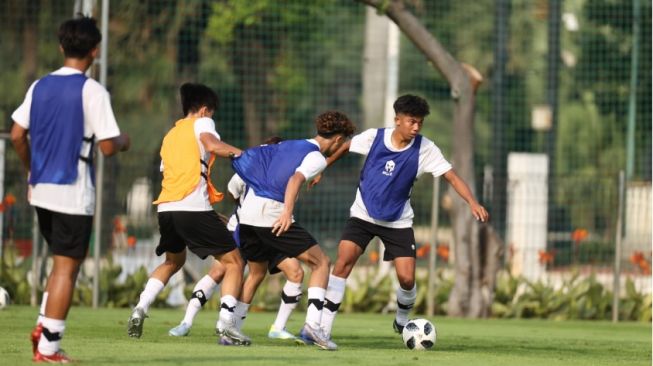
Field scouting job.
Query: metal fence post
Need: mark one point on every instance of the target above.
(616, 286)
(435, 210)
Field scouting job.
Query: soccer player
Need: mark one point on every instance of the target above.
(274, 175)
(396, 157)
(186, 217)
(65, 114)
(259, 260)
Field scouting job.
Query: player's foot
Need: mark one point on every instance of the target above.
(35, 336)
(135, 323)
(317, 337)
(275, 333)
(181, 330)
(397, 327)
(57, 357)
(232, 336)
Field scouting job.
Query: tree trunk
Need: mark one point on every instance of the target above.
(467, 296)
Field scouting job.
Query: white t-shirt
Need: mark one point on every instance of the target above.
(236, 187)
(77, 198)
(431, 161)
(263, 212)
(198, 200)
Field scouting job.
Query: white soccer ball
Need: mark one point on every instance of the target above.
(4, 298)
(419, 334)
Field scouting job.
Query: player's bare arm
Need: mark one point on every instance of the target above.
(115, 145)
(344, 149)
(292, 190)
(479, 212)
(21, 144)
(217, 147)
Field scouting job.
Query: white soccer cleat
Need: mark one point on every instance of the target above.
(230, 335)
(135, 323)
(275, 333)
(181, 330)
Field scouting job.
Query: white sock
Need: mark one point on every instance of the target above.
(240, 313)
(290, 295)
(227, 307)
(152, 289)
(50, 340)
(334, 294)
(201, 294)
(315, 305)
(44, 301)
(405, 302)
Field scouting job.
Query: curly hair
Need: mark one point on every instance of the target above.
(411, 105)
(333, 123)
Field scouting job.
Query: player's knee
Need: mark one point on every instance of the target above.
(295, 275)
(324, 262)
(407, 283)
(173, 266)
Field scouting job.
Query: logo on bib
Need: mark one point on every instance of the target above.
(389, 167)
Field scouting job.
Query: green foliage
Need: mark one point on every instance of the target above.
(577, 298)
(13, 276)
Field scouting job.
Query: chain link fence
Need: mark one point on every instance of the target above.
(277, 64)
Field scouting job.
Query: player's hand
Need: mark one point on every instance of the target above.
(282, 224)
(315, 181)
(125, 142)
(224, 219)
(479, 212)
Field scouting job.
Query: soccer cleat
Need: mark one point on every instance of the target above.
(275, 333)
(135, 323)
(233, 336)
(397, 327)
(57, 357)
(35, 336)
(317, 337)
(181, 330)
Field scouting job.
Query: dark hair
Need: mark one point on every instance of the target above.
(411, 105)
(272, 140)
(333, 123)
(78, 37)
(196, 96)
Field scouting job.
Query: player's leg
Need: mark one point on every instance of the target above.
(400, 249)
(256, 275)
(407, 291)
(319, 263)
(61, 284)
(355, 237)
(202, 292)
(290, 295)
(230, 289)
(155, 284)
(348, 254)
(68, 237)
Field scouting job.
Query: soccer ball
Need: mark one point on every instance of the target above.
(4, 298)
(419, 334)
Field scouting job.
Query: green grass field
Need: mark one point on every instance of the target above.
(97, 337)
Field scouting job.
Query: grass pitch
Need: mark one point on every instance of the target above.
(99, 337)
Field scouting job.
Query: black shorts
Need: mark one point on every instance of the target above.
(66, 235)
(398, 242)
(290, 244)
(251, 249)
(201, 231)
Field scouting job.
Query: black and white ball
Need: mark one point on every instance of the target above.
(4, 298)
(419, 334)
